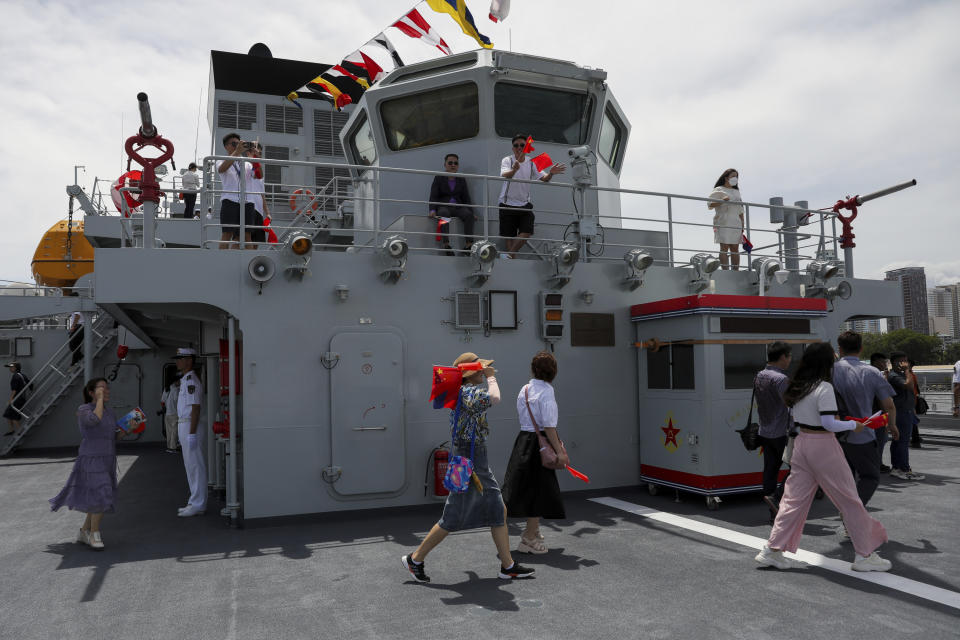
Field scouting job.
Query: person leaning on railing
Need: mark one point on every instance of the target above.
(92, 485)
(446, 193)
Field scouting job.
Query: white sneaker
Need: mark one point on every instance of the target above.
(842, 534)
(96, 541)
(912, 475)
(83, 537)
(188, 512)
(899, 473)
(872, 562)
(770, 558)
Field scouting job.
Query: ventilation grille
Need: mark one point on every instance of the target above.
(283, 119)
(236, 115)
(326, 132)
(467, 313)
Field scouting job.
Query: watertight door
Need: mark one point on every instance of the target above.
(366, 396)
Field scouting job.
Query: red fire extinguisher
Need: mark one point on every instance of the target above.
(439, 458)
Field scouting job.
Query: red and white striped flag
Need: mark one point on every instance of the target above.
(415, 26)
(499, 9)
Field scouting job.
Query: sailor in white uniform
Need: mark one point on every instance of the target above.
(191, 434)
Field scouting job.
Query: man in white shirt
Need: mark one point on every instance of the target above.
(191, 184)
(257, 192)
(75, 332)
(230, 173)
(516, 210)
(956, 389)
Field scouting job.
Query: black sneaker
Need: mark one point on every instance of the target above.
(516, 572)
(416, 570)
(884, 468)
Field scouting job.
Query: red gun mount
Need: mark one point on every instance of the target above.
(148, 137)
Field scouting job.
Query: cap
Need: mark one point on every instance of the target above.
(183, 352)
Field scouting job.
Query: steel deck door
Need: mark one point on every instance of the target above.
(366, 397)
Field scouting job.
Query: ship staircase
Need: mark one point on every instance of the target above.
(54, 380)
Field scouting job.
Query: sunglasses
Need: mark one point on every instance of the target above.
(519, 146)
(453, 164)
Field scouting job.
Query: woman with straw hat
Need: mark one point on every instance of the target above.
(473, 508)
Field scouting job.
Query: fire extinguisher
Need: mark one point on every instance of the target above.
(437, 462)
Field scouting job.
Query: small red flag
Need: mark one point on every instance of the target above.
(528, 148)
(542, 162)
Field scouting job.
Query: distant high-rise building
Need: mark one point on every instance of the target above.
(865, 326)
(913, 280)
(953, 307)
(940, 310)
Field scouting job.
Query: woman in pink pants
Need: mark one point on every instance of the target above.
(818, 461)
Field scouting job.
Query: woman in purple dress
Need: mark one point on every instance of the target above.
(92, 485)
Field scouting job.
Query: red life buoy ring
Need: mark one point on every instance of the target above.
(121, 182)
(305, 192)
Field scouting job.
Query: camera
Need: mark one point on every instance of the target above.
(578, 153)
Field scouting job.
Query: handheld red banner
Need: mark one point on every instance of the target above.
(878, 420)
(542, 162)
(576, 474)
(528, 148)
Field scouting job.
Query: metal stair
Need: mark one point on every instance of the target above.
(54, 379)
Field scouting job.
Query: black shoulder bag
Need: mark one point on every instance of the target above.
(750, 434)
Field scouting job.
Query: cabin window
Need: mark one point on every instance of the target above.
(431, 117)
(283, 119)
(671, 367)
(333, 186)
(275, 192)
(549, 115)
(236, 115)
(742, 363)
(327, 125)
(610, 144)
(362, 144)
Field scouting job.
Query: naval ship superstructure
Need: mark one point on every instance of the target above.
(317, 350)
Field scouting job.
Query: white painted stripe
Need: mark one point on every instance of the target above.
(906, 585)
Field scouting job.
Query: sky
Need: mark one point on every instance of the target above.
(808, 100)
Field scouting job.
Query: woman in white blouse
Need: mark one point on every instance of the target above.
(818, 460)
(728, 219)
(530, 490)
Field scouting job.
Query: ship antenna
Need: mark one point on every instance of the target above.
(196, 136)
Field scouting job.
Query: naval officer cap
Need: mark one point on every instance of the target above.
(183, 352)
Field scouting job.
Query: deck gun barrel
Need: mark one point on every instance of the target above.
(886, 192)
(146, 120)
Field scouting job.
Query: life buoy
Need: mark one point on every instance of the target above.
(120, 183)
(306, 193)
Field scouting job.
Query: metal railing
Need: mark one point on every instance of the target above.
(806, 234)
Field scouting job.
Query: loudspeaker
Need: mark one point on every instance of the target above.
(261, 269)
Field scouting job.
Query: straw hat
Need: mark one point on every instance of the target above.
(469, 356)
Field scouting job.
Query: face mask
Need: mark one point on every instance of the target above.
(733, 181)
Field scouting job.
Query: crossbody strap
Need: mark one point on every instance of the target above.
(526, 398)
(753, 396)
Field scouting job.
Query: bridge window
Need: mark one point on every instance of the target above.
(549, 115)
(431, 117)
(362, 144)
(610, 146)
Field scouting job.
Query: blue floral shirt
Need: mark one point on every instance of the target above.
(474, 402)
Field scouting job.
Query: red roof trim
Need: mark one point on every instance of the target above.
(722, 301)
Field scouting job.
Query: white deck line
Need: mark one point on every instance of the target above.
(906, 585)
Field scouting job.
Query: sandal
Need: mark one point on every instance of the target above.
(535, 546)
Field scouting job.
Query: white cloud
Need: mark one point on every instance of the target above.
(809, 101)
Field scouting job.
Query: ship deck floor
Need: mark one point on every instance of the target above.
(610, 572)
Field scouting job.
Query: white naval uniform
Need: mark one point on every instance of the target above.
(194, 460)
(170, 399)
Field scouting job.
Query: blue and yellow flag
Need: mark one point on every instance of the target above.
(457, 9)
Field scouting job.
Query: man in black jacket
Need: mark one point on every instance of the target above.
(446, 193)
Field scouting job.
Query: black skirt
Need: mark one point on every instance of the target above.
(530, 490)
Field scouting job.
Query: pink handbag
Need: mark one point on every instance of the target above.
(548, 457)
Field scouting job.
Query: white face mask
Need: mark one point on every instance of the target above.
(733, 181)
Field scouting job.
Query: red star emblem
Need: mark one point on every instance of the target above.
(671, 434)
